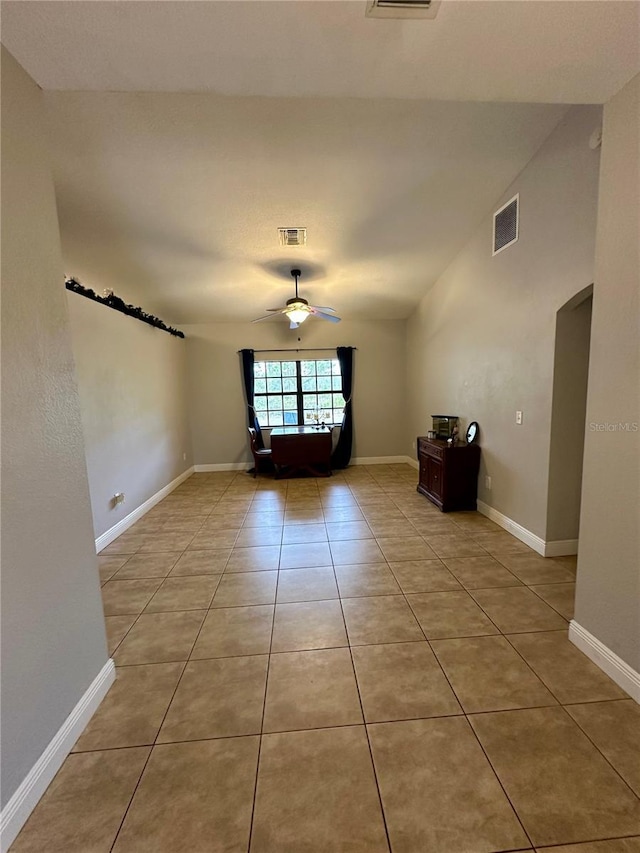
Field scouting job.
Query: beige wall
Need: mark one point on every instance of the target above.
(481, 343)
(53, 638)
(216, 398)
(570, 374)
(608, 592)
(132, 383)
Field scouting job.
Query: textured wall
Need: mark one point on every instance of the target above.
(132, 383)
(216, 398)
(481, 344)
(53, 638)
(608, 593)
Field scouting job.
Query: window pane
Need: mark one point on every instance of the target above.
(274, 386)
(308, 383)
(324, 383)
(323, 368)
(335, 367)
(310, 401)
(258, 369)
(289, 386)
(324, 401)
(291, 418)
(289, 368)
(336, 382)
(308, 368)
(338, 401)
(275, 403)
(260, 404)
(289, 402)
(337, 416)
(260, 386)
(275, 419)
(273, 368)
(326, 416)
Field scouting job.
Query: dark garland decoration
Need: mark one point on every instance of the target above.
(118, 304)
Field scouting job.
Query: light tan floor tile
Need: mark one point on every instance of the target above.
(438, 790)
(223, 520)
(121, 598)
(244, 588)
(160, 638)
(381, 619)
(561, 787)
(108, 566)
(148, 565)
(217, 698)
(338, 531)
(488, 675)
(424, 576)
(430, 525)
(251, 537)
(317, 793)
(302, 556)
(82, 809)
(444, 615)
(128, 543)
(401, 681)
(532, 568)
(259, 559)
(132, 711)
(567, 672)
(117, 627)
(232, 631)
(480, 572)
(560, 596)
(264, 518)
(311, 689)
(181, 525)
(614, 727)
(366, 579)
(296, 534)
(306, 585)
(165, 542)
(615, 845)
(193, 798)
(303, 516)
(308, 625)
(346, 512)
(184, 593)
(518, 610)
(405, 548)
(455, 545)
(351, 551)
(202, 562)
(501, 543)
(212, 540)
(382, 529)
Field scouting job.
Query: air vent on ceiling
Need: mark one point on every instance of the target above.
(506, 224)
(292, 236)
(402, 8)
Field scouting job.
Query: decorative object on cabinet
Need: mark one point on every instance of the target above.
(449, 473)
(472, 432)
(445, 426)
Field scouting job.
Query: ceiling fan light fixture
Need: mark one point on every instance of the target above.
(298, 314)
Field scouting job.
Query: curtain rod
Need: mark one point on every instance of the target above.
(302, 349)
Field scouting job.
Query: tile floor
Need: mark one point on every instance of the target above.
(309, 666)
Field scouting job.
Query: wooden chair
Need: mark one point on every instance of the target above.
(261, 455)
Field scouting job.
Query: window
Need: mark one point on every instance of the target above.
(293, 393)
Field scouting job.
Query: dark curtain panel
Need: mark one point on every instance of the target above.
(342, 454)
(247, 375)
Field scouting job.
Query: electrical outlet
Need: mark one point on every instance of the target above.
(487, 483)
(117, 499)
(518, 417)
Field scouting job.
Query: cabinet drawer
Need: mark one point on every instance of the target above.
(429, 448)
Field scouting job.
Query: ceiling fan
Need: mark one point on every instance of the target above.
(298, 309)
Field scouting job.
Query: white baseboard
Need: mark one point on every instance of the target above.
(223, 466)
(561, 548)
(125, 523)
(413, 462)
(379, 460)
(608, 661)
(24, 800)
(513, 527)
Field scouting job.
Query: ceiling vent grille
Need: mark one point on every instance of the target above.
(402, 8)
(293, 236)
(506, 224)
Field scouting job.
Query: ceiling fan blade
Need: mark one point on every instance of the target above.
(293, 325)
(266, 317)
(323, 308)
(321, 314)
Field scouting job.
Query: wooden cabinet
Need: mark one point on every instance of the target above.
(449, 473)
(301, 449)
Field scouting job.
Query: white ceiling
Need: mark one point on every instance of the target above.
(174, 198)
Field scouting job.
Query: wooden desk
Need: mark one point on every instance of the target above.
(295, 449)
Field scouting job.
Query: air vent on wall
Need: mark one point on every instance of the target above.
(402, 8)
(506, 225)
(292, 236)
